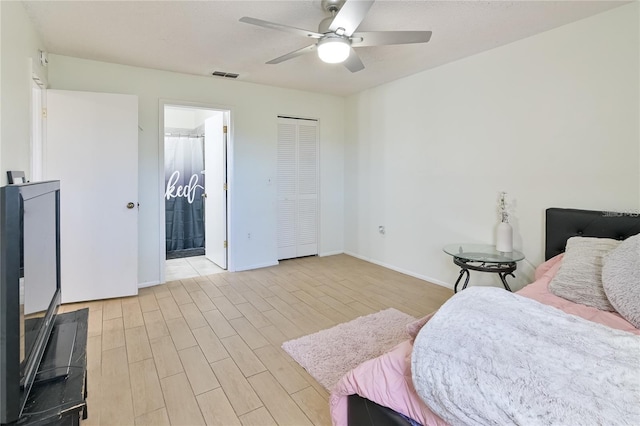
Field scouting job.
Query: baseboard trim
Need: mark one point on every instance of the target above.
(401, 270)
(330, 253)
(256, 266)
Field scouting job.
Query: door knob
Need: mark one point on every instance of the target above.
(204, 195)
(130, 205)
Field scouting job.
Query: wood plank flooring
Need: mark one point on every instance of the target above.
(206, 350)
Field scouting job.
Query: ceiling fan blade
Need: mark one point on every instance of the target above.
(353, 62)
(381, 38)
(293, 54)
(280, 27)
(351, 15)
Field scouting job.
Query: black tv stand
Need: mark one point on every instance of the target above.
(58, 395)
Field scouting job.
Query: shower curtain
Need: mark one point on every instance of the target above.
(184, 187)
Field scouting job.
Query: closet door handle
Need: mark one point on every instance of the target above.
(130, 205)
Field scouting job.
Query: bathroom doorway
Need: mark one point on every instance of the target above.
(195, 191)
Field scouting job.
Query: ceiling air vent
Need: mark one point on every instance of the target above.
(224, 74)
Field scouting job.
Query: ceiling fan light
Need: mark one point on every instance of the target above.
(333, 50)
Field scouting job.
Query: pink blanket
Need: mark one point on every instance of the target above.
(386, 380)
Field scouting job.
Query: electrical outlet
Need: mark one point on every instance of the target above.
(249, 236)
(381, 229)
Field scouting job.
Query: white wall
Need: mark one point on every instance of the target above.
(552, 120)
(254, 110)
(19, 44)
(186, 118)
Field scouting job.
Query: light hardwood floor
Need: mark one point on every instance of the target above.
(206, 350)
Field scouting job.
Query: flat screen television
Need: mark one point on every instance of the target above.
(29, 286)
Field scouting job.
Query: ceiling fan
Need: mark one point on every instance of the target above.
(336, 36)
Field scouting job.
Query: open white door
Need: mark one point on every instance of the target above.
(92, 148)
(215, 181)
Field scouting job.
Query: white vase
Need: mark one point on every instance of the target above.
(504, 237)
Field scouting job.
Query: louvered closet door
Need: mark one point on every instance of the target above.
(297, 188)
(287, 184)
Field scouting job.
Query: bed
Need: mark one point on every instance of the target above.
(361, 398)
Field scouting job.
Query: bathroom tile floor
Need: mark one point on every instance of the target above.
(190, 267)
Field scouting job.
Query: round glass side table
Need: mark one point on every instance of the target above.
(483, 258)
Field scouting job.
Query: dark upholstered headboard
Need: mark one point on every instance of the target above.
(565, 223)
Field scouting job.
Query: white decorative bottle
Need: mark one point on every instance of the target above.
(504, 233)
(504, 237)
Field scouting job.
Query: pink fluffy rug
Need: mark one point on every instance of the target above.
(328, 354)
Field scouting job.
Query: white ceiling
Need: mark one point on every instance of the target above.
(199, 37)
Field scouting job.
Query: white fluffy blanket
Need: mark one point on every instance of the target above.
(490, 357)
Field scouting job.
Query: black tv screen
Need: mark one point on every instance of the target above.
(29, 286)
(39, 283)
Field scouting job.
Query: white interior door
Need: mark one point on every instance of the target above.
(307, 194)
(92, 148)
(215, 180)
(287, 188)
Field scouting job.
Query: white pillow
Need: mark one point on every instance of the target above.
(621, 279)
(579, 278)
